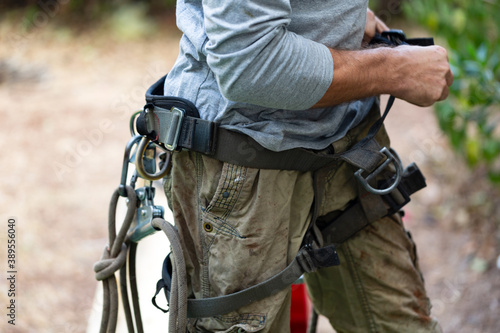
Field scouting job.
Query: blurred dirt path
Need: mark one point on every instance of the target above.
(63, 131)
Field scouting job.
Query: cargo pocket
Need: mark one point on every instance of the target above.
(219, 205)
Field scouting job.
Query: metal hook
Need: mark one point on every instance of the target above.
(126, 160)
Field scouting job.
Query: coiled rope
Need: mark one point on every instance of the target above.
(114, 258)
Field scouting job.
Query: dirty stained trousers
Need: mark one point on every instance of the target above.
(240, 226)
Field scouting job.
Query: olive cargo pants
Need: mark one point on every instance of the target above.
(240, 226)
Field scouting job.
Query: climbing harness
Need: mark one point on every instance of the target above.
(172, 124)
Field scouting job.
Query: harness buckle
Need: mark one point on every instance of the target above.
(393, 158)
(413, 180)
(396, 36)
(174, 131)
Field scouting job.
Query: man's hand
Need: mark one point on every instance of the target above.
(373, 26)
(425, 75)
(419, 75)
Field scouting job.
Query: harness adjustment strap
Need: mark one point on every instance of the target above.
(155, 96)
(414, 181)
(307, 260)
(336, 228)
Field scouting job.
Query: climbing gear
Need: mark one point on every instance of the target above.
(307, 260)
(143, 218)
(173, 124)
(369, 207)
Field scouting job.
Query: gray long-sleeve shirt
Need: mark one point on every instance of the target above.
(258, 66)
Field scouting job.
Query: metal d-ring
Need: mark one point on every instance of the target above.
(393, 158)
(139, 164)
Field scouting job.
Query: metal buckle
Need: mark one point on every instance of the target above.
(174, 131)
(364, 181)
(395, 35)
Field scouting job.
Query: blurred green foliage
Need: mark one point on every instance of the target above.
(471, 114)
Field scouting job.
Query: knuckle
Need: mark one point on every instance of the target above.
(436, 94)
(441, 49)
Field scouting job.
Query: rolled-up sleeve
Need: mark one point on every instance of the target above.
(257, 60)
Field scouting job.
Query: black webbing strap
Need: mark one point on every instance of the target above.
(241, 149)
(397, 37)
(165, 283)
(155, 96)
(205, 137)
(307, 260)
(193, 133)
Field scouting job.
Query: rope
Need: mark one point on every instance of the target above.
(124, 295)
(133, 287)
(177, 320)
(113, 258)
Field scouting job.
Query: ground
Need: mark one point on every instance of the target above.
(65, 99)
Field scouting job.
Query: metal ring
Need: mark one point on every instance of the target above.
(141, 149)
(393, 158)
(132, 122)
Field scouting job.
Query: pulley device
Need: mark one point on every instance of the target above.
(169, 124)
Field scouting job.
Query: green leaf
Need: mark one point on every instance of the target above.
(473, 152)
(491, 149)
(459, 20)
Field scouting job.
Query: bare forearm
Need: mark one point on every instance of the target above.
(419, 75)
(355, 76)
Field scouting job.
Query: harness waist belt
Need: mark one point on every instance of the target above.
(174, 129)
